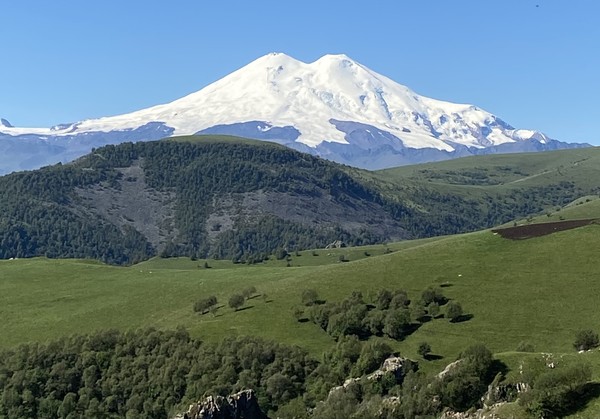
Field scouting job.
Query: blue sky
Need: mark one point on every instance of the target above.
(534, 63)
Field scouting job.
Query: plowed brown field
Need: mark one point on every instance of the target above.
(536, 230)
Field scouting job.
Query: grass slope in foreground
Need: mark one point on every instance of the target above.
(540, 290)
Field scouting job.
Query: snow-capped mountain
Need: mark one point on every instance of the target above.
(333, 107)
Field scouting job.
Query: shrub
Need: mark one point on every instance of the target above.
(454, 311)
(586, 340)
(204, 305)
(309, 297)
(424, 349)
(248, 292)
(236, 301)
(525, 347)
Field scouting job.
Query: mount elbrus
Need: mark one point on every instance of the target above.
(334, 107)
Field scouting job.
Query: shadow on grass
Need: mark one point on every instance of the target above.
(432, 357)
(463, 318)
(578, 400)
(303, 320)
(244, 308)
(446, 285)
(410, 329)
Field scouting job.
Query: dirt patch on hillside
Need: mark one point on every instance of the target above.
(542, 229)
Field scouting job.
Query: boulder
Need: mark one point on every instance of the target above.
(242, 405)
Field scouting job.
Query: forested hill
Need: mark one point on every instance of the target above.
(224, 197)
(221, 197)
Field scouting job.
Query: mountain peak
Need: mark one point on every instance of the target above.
(340, 58)
(275, 59)
(334, 107)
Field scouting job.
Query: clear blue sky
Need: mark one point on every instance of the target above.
(534, 63)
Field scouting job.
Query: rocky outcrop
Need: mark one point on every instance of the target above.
(338, 244)
(242, 405)
(397, 365)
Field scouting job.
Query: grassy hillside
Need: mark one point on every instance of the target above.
(506, 171)
(510, 288)
(517, 185)
(540, 291)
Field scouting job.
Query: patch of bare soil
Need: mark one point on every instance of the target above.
(536, 230)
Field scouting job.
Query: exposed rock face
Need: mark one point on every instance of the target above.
(242, 405)
(397, 365)
(338, 244)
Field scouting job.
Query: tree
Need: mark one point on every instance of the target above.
(373, 353)
(525, 346)
(309, 297)
(424, 349)
(418, 310)
(400, 300)
(396, 322)
(248, 292)
(586, 340)
(236, 301)
(373, 321)
(205, 305)
(280, 387)
(433, 294)
(384, 298)
(454, 311)
(433, 309)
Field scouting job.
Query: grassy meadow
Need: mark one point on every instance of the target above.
(540, 291)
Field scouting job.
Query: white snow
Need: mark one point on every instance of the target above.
(281, 90)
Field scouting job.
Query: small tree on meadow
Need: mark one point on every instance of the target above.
(586, 340)
(433, 294)
(204, 306)
(424, 349)
(248, 292)
(454, 311)
(309, 297)
(236, 301)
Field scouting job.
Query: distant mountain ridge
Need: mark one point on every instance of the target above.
(334, 108)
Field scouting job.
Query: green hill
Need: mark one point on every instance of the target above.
(215, 196)
(225, 197)
(525, 300)
(540, 291)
